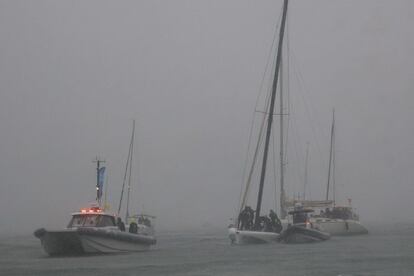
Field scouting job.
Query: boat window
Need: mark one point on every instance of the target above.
(76, 221)
(83, 221)
(106, 221)
(91, 221)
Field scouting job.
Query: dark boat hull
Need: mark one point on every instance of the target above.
(91, 241)
(301, 234)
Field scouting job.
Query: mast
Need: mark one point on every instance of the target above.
(270, 118)
(130, 171)
(333, 168)
(330, 154)
(305, 182)
(126, 169)
(282, 171)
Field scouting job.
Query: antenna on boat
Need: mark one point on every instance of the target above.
(270, 115)
(99, 178)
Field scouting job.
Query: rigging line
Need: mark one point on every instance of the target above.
(286, 150)
(297, 150)
(333, 169)
(312, 107)
(309, 115)
(274, 168)
(139, 188)
(270, 118)
(130, 171)
(286, 107)
(308, 106)
(256, 104)
(330, 154)
(255, 156)
(260, 138)
(287, 86)
(124, 179)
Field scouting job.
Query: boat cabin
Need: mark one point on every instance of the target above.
(91, 217)
(339, 212)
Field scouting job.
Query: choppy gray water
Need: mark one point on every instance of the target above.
(387, 252)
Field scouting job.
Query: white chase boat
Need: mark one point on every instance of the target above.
(93, 231)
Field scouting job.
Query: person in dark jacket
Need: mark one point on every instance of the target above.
(244, 219)
(250, 217)
(275, 221)
(120, 224)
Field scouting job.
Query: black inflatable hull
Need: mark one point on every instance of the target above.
(300, 234)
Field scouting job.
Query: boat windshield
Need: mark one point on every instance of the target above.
(91, 220)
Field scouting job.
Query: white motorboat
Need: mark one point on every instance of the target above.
(92, 231)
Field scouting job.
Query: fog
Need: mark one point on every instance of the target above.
(73, 75)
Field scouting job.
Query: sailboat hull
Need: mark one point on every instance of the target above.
(340, 227)
(251, 237)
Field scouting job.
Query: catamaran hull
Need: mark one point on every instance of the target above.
(340, 227)
(251, 237)
(91, 241)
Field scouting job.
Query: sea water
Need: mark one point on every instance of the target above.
(385, 251)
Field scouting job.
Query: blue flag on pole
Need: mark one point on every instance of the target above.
(101, 177)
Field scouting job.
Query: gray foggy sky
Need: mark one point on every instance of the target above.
(74, 73)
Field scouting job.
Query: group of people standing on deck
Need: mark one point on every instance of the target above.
(269, 223)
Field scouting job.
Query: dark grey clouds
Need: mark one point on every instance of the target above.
(74, 73)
